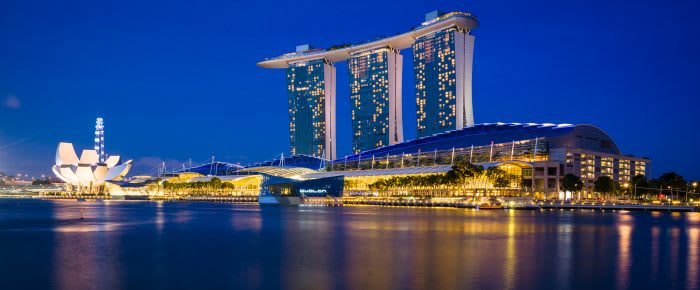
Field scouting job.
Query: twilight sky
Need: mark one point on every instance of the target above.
(177, 79)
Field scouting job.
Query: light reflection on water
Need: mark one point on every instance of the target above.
(624, 231)
(166, 245)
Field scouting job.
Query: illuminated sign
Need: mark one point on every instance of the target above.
(313, 191)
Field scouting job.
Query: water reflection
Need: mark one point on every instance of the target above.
(624, 231)
(511, 259)
(251, 221)
(205, 246)
(674, 251)
(160, 217)
(564, 259)
(655, 236)
(77, 243)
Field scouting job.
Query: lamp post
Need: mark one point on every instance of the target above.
(625, 186)
(694, 184)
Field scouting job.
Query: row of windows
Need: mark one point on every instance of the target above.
(306, 96)
(436, 95)
(369, 84)
(592, 166)
(434, 68)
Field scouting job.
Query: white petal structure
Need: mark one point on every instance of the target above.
(118, 172)
(56, 170)
(87, 171)
(65, 154)
(89, 157)
(84, 172)
(100, 172)
(112, 161)
(68, 173)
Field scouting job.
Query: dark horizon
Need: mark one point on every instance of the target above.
(175, 81)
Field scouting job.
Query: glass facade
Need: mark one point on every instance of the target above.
(309, 96)
(436, 83)
(374, 96)
(320, 187)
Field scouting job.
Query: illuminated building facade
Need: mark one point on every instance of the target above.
(87, 174)
(311, 94)
(442, 63)
(375, 97)
(538, 154)
(445, 51)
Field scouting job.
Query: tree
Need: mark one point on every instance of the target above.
(498, 177)
(673, 180)
(463, 171)
(215, 183)
(571, 183)
(694, 186)
(639, 184)
(604, 184)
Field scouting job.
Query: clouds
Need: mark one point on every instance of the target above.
(12, 102)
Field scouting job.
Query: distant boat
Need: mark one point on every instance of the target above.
(81, 199)
(489, 206)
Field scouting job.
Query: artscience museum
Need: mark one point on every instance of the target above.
(87, 174)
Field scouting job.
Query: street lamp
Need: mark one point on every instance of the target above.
(694, 184)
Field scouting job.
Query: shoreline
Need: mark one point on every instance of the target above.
(390, 203)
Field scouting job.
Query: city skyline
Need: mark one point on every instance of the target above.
(154, 128)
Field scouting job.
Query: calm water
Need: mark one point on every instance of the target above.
(149, 245)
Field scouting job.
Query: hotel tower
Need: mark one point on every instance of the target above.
(442, 54)
(311, 96)
(442, 65)
(375, 98)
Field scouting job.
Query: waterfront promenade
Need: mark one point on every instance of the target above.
(402, 202)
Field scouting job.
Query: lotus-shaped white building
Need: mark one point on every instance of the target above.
(87, 173)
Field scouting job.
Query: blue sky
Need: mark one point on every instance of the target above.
(176, 80)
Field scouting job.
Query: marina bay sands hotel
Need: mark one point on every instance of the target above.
(442, 63)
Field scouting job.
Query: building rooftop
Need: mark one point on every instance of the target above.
(287, 172)
(558, 135)
(340, 53)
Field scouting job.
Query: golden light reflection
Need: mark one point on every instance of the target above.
(624, 232)
(160, 217)
(675, 240)
(693, 259)
(655, 235)
(79, 261)
(511, 258)
(564, 256)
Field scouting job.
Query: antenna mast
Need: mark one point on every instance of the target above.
(100, 140)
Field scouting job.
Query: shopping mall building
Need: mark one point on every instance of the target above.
(539, 154)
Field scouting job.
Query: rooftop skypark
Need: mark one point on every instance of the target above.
(435, 21)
